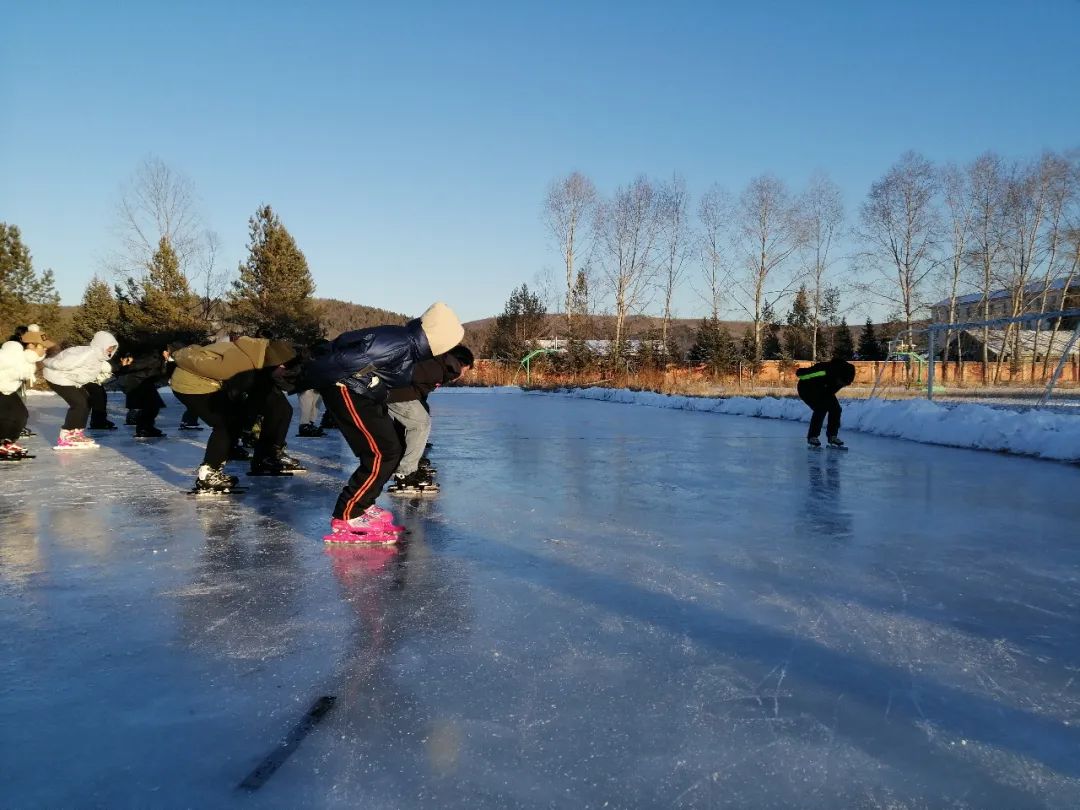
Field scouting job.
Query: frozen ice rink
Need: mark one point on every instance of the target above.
(607, 606)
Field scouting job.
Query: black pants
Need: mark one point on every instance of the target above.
(224, 418)
(78, 402)
(370, 432)
(145, 400)
(268, 401)
(822, 403)
(13, 416)
(97, 398)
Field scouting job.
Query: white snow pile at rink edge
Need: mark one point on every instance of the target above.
(1030, 433)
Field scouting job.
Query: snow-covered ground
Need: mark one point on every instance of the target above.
(1028, 432)
(606, 606)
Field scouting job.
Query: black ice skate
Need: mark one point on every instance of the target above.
(310, 431)
(278, 463)
(813, 442)
(425, 466)
(148, 433)
(836, 444)
(104, 424)
(213, 481)
(26, 433)
(190, 426)
(413, 485)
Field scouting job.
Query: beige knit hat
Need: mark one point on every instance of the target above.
(442, 327)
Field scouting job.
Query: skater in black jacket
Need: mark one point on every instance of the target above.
(140, 377)
(817, 387)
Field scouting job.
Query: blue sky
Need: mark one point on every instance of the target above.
(408, 146)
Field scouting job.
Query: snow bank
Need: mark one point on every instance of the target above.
(980, 427)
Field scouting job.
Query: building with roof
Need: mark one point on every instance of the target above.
(970, 307)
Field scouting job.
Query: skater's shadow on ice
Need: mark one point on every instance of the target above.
(860, 688)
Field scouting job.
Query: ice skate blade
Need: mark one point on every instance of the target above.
(270, 474)
(15, 458)
(415, 493)
(360, 540)
(148, 438)
(834, 447)
(216, 492)
(77, 447)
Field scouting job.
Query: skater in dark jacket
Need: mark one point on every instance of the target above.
(411, 413)
(140, 377)
(817, 387)
(353, 373)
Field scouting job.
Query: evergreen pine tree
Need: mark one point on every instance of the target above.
(869, 346)
(843, 345)
(273, 296)
(160, 307)
(517, 328)
(771, 348)
(799, 330)
(25, 297)
(748, 351)
(98, 312)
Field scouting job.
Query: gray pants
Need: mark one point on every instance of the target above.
(309, 406)
(417, 423)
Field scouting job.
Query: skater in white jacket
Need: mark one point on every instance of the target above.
(17, 366)
(68, 373)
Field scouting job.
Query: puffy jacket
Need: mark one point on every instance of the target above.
(369, 361)
(80, 365)
(17, 366)
(828, 377)
(427, 376)
(203, 369)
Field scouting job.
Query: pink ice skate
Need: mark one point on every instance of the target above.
(382, 517)
(74, 440)
(361, 531)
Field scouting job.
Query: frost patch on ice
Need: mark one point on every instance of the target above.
(978, 427)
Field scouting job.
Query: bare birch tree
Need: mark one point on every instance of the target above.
(714, 216)
(628, 227)
(986, 182)
(675, 244)
(821, 207)
(900, 225)
(157, 203)
(767, 232)
(568, 212)
(960, 213)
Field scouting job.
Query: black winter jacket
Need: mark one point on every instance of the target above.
(149, 368)
(828, 377)
(427, 376)
(369, 362)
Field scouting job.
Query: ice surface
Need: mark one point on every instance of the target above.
(606, 606)
(981, 427)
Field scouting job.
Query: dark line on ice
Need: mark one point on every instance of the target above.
(276, 758)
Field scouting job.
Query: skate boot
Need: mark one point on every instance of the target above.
(74, 440)
(26, 433)
(277, 463)
(813, 442)
(383, 517)
(190, 426)
(12, 451)
(132, 417)
(148, 433)
(310, 431)
(836, 444)
(213, 480)
(425, 466)
(425, 480)
(103, 424)
(361, 531)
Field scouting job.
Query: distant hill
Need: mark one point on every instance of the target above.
(342, 316)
